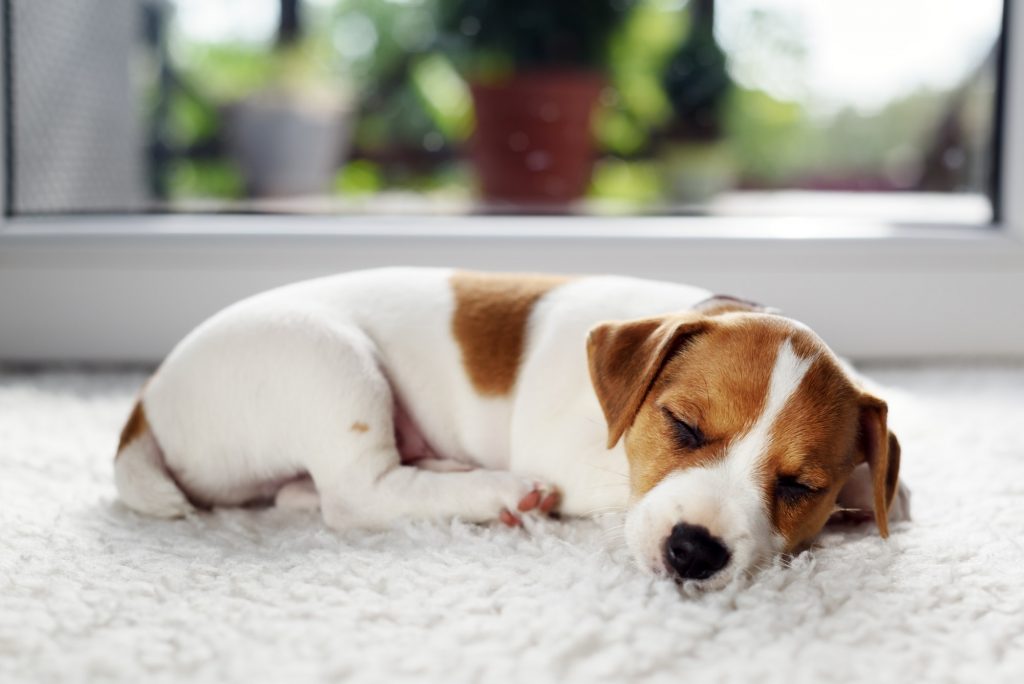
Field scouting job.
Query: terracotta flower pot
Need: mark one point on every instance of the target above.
(533, 145)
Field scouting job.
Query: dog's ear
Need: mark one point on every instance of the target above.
(625, 358)
(880, 450)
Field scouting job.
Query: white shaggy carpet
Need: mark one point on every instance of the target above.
(92, 592)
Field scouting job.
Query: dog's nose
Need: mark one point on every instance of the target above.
(693, 553)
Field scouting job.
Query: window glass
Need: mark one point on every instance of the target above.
(848, 108)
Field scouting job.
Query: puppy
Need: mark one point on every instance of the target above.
(727, 432)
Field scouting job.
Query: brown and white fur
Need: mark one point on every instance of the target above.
(729, 434)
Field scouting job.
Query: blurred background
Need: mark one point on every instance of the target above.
(760, 107)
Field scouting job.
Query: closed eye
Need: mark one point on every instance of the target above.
(791, 490)
(686, 436)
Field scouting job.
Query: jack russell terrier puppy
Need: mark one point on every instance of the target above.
(727, 432)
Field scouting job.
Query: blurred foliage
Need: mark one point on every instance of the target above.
(226, 72)
(696, 80)
(764, 134)
(192, 119)
(447, 180)
(490, 37)
(375, 37)
(404, 65)
(360, 177)
(639, 51)
(628, 182)
(206, 179)
(778, 144)
(886, 146)
(444, 95)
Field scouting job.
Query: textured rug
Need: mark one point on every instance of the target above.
(91, 592)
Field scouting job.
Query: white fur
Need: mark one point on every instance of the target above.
(144, 483)
(725, 497)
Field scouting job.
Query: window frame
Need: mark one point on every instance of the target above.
(101, 288)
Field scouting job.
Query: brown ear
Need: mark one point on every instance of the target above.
(881, 452)
(624, 359)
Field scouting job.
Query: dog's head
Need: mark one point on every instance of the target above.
(741, 429)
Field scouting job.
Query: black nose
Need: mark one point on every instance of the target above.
(693, 553)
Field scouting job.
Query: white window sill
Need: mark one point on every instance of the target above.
(892, 207)
(554, 242)
(127, 288)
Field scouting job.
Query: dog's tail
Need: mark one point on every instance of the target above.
(140, 473)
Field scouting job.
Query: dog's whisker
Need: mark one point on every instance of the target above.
(605, 509)
(610, 471)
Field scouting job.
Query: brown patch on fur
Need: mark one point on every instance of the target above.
(624, 359)
(359, 426)
(880, 449)
(134, 428)
(892, 475)
(717, 383)
(489, 323)
(814, 440)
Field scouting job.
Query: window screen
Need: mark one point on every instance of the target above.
(855, 107)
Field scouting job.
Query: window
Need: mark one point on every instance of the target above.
(655, 107)
(859, 163)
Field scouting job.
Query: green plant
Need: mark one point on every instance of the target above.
(491, 38)
(696, 79)
(231, 72)
(638, 53)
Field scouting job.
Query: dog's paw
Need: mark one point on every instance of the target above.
(540, 499)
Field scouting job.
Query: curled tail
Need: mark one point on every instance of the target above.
(140, 473)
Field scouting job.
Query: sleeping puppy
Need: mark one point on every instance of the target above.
(727, 432)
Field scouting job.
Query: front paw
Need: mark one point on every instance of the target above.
(541, 499)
